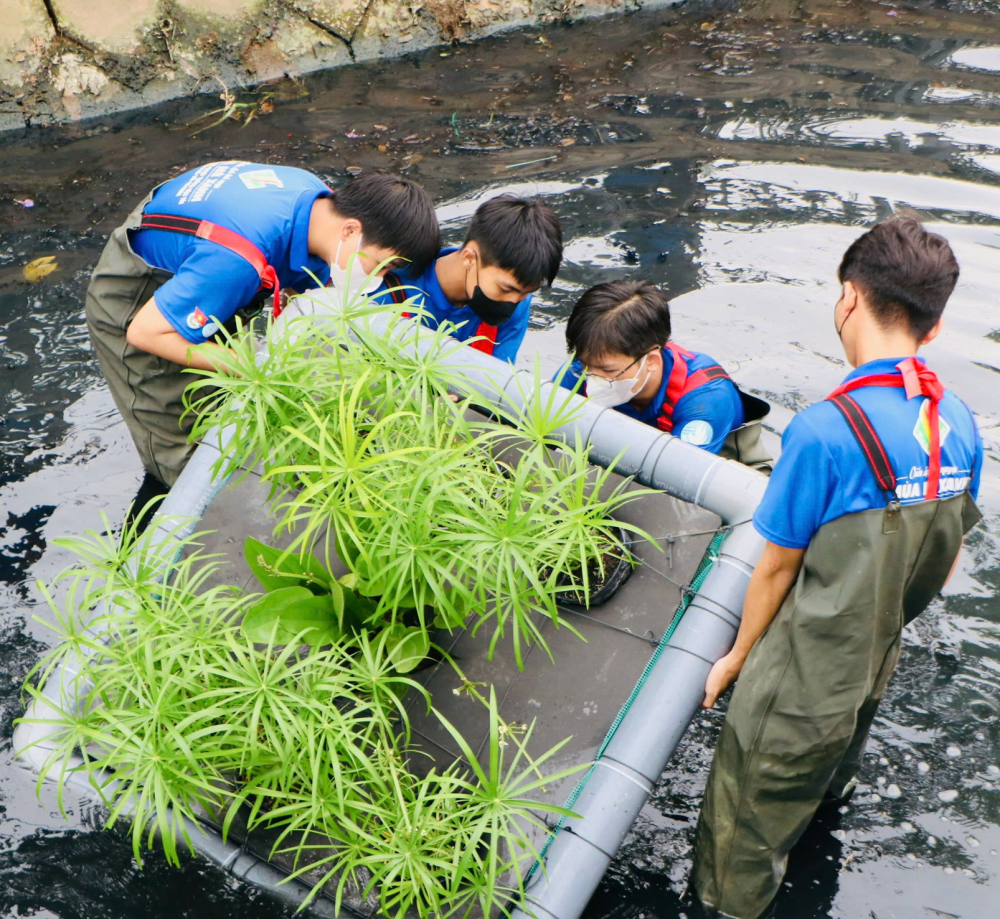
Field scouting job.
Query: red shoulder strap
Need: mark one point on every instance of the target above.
(917, 380)
(870, 443)
(395, 289)
(675, 386)
(488, 340)
(228, 239)
(681, 383)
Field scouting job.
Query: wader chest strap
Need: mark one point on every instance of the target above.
(395, 290)
(228, 239)
(874, 451)
(488, 339)
(680, 383)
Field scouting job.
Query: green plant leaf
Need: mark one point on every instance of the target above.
(282, 615)
(358, 610)
(407, 647)
(277, 568)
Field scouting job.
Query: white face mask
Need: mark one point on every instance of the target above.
(609, 393)
(352, 282)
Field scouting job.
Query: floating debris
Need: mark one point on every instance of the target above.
(953, 751)
(353, 134)
(948, 796)
(893, 791)
(40, 267)
(355, 170)
(544, 159)
(923, 768)
(234, 110)
(24, 202)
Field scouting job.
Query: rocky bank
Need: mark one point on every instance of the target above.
(63, 60)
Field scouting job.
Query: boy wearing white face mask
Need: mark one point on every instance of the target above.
(217, 242)
(619, 334)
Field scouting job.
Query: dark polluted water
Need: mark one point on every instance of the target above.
(730, 154)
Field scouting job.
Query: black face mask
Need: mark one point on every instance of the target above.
(492, 312)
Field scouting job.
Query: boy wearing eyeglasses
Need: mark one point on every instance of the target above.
(619, 334)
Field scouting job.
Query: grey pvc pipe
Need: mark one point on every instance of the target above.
(664, 707)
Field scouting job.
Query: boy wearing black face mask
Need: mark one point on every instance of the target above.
(513, 246)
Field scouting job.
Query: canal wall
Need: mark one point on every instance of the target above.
(63, 60)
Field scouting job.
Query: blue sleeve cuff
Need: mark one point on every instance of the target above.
(779, 540)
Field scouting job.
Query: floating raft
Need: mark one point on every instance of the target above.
(625, 695)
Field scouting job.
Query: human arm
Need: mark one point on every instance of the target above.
(801, 494)
(151, 332)
(770, 583)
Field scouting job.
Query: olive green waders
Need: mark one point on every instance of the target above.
(802, 708)
(147, 389)
(744, 444)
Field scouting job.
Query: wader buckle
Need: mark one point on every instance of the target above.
(890, 520)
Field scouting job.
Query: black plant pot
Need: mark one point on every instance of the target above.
(616, 577)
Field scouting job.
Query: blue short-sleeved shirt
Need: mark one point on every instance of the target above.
(823, 474)
(268, 205)
(704, 417)
(440, 309)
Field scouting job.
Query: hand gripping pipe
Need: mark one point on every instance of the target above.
(663, 708)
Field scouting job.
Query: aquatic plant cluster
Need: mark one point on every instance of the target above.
(285, 711)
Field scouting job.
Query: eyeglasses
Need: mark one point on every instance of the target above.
(617, 376)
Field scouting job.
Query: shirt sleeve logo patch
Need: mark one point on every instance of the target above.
(697, 432)
(197, 319)
(922, 429)
(261, 178)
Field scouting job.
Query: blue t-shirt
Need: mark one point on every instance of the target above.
(268, 205)
(704, 417)
(823, 474)
(440, 309)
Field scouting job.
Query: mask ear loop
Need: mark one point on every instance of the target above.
(475, 255)
(636, 392)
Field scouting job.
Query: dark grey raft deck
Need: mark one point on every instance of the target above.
(578, 694)
(582, 692)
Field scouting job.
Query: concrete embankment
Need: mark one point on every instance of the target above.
(63, 60)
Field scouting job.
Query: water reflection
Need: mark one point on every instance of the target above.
(729, 156)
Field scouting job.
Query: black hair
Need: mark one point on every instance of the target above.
(623, 317)
(395, 213)
(905, 273)
(523, 237)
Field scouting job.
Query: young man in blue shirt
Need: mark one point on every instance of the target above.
(864, 517)
(619, 335)
(216, 241)
(484, 287)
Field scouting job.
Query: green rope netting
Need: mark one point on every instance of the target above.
(710, 558)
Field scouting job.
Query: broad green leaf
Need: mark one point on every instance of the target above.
(407, 647)
(294, 609)
(275, 569)
(358, 610)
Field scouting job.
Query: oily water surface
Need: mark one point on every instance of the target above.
(728, 152)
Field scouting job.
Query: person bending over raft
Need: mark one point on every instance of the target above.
(484, 287)
(864, 518)
(216, 242)
(616, 333)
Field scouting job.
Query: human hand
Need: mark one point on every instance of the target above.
(722, 675)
